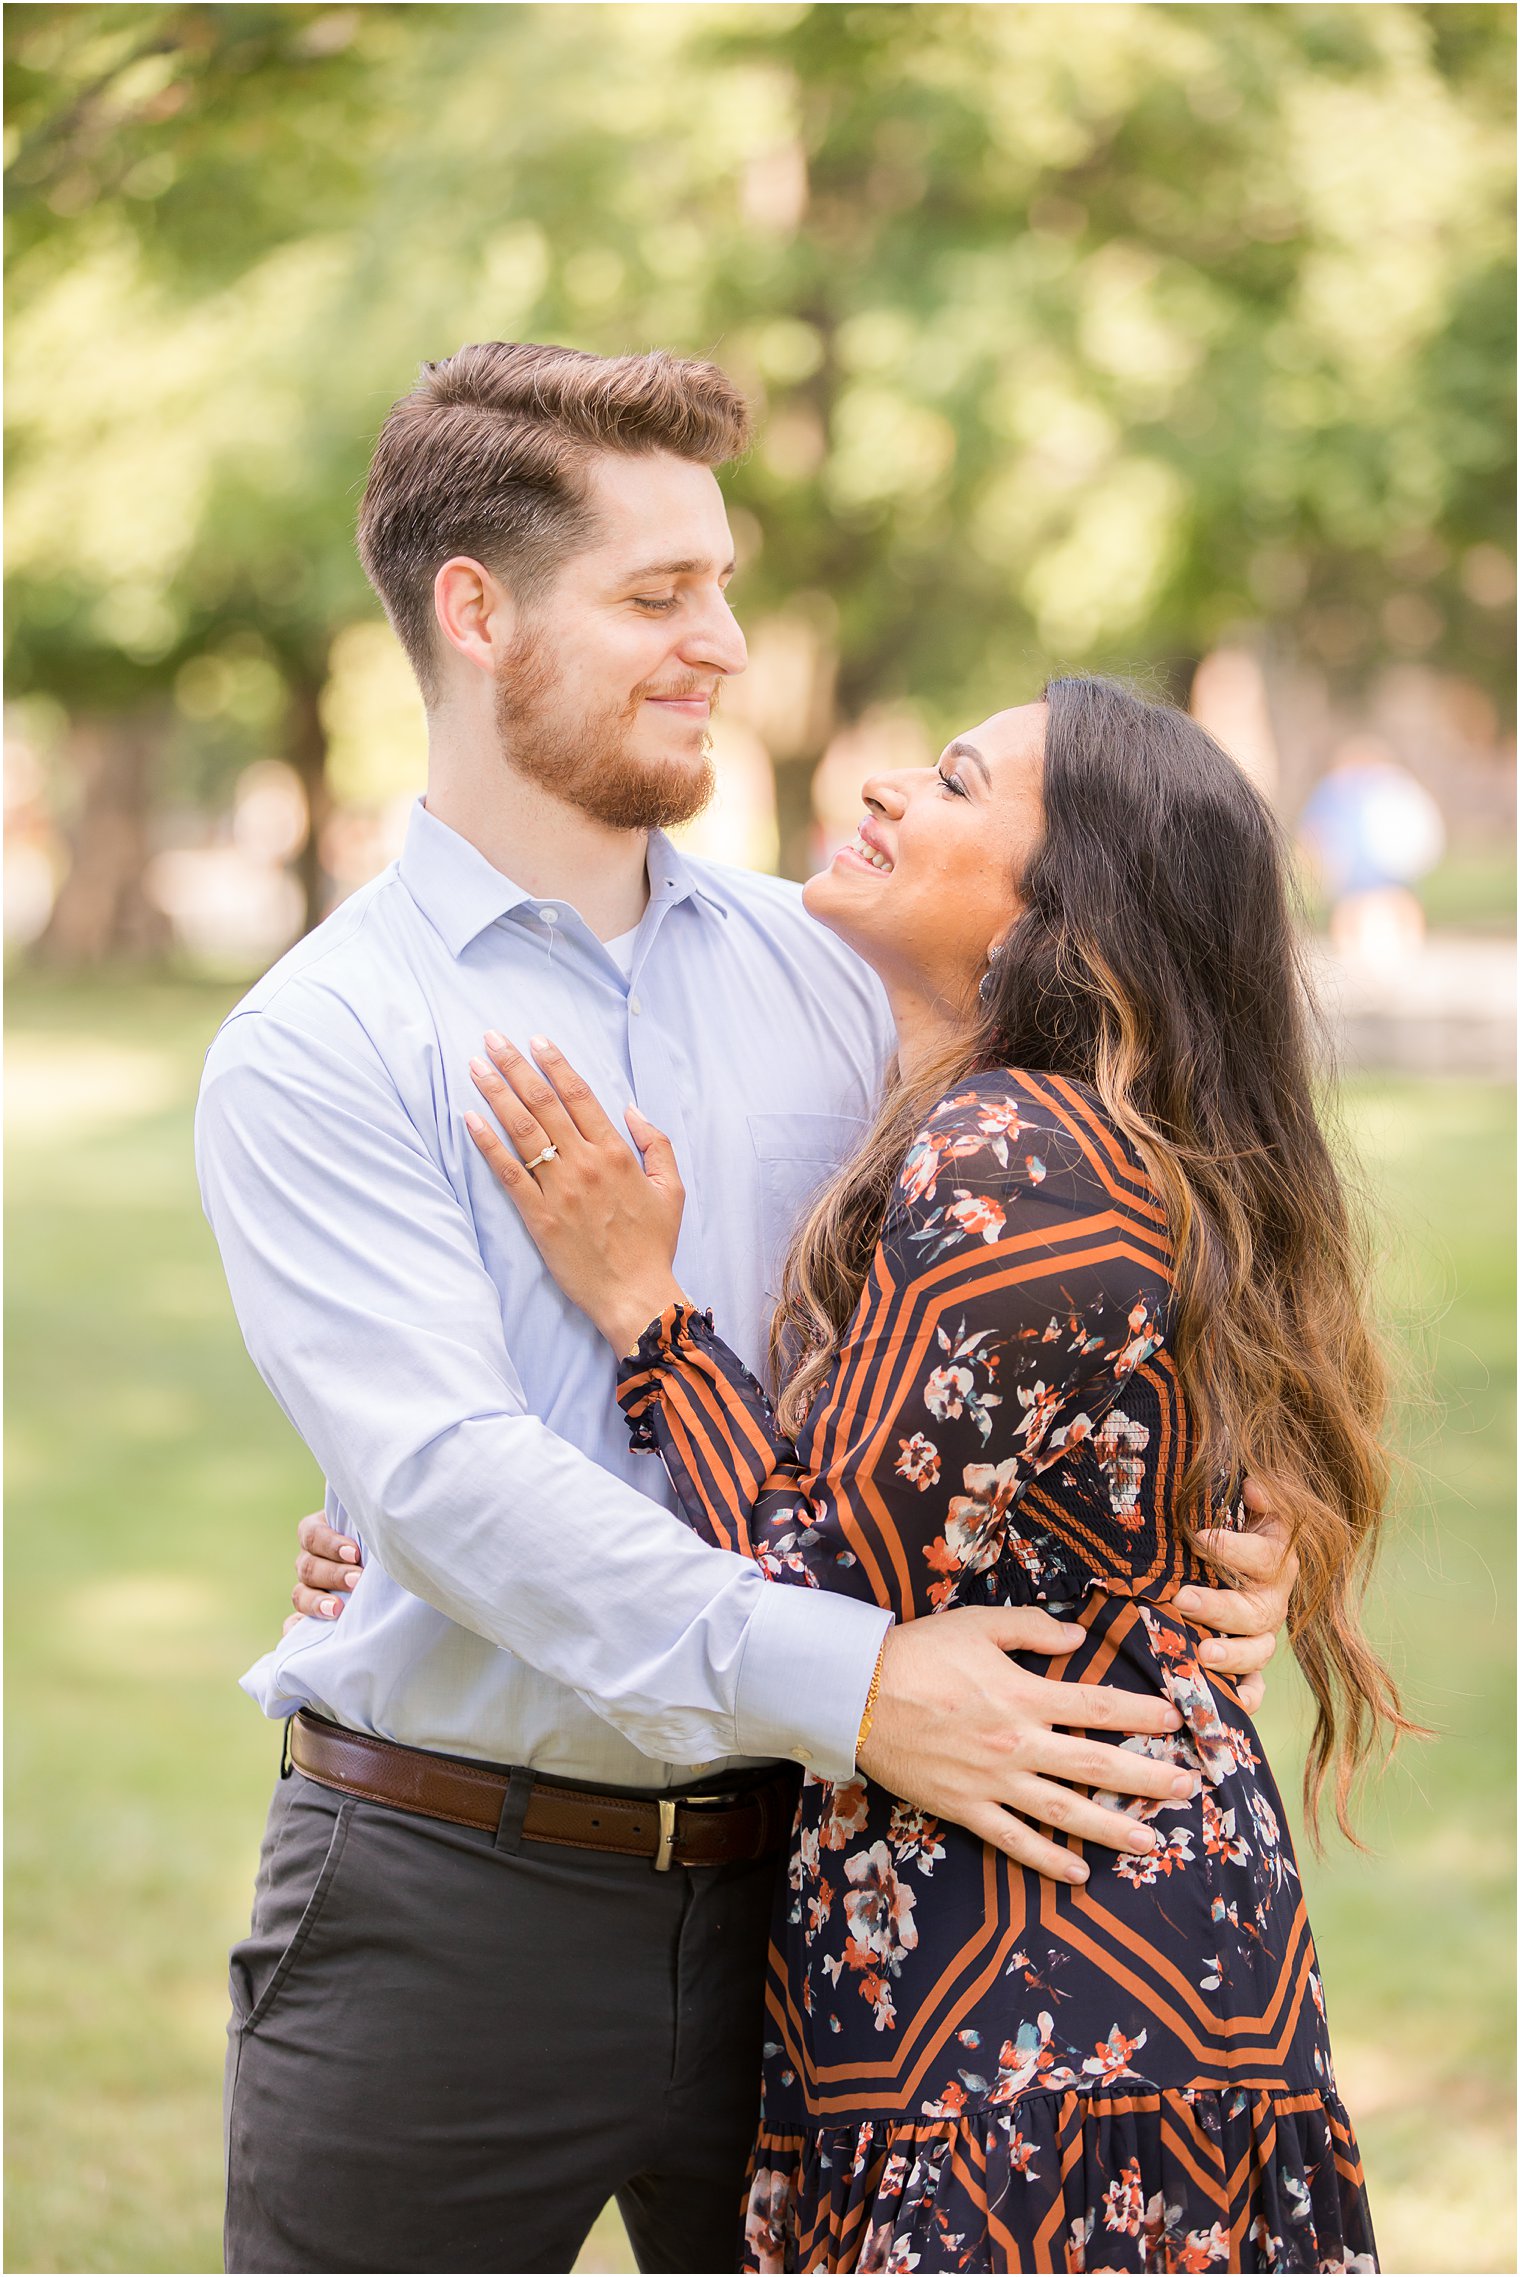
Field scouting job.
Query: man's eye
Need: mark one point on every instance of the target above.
(656, 604)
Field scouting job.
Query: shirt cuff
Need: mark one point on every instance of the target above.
(809, 1658)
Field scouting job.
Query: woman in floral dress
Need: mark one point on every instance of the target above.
(1091, 1262)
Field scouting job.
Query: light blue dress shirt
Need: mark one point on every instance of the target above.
(528, 1594)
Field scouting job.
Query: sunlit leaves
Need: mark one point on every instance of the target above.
(1073, 331)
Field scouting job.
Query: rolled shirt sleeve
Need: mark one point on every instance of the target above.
(366, 1307)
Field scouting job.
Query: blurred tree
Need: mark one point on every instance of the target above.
(165, 166)
(1090, 335)
(1078, 335)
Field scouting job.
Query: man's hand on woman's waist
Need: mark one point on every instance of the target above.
(962, 1730)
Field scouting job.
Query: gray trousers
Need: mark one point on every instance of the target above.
(448, 2051)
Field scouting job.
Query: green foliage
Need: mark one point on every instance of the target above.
(1079, 336)
(154, 1490)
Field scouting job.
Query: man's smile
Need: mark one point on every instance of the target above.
(697, 706)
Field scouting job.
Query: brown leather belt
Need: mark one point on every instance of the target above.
(672, 1830)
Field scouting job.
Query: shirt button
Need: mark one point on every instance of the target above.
(634, 1005)
(549, 916)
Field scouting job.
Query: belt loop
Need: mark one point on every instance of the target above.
(286, 1766)
(514, 1810)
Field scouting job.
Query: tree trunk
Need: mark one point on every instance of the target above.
(306, 749)
(794, 814)
(103, 913)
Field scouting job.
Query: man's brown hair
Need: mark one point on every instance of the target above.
(489, 456)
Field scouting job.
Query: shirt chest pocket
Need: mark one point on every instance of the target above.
(797, 1155)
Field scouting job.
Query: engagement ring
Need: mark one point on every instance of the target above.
(548, 1155)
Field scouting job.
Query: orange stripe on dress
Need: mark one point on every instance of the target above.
(875, 1297)
(631, 1386)
(685, 1422)
(683, 1398)
(1064, 1099)
(1224, 2027)
(986, 1278)
(1068, 1925)
(1005, 1265)
(736, 1412)
(855, 1380)
(1001, 2236)
(976, 1989)
(1171, 1448)
(880, 1546)
(960, 2168)
(1210, 2179)
(928, 2017)
(750, 1474)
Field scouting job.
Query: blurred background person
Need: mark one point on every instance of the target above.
(1372, 832)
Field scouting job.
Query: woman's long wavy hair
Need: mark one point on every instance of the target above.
(1156, 958)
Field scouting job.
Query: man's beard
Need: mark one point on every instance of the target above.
(587, 762)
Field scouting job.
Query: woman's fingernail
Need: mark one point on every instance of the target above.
(1142, 1839)
(541, 1043)
(1076, 1873)
(482, 1070)
(495, 1040)
(349, 1552)
(473, 1122)
(327, 1607)
(351, 1580)
(1185, 1785)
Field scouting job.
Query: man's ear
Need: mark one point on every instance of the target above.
(476, 614)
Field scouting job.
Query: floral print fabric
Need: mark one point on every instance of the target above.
(968, 2067)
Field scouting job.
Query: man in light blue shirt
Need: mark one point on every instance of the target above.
(403, 1320)
(461, 1963)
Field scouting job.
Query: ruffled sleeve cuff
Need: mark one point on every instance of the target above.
(680, 1329)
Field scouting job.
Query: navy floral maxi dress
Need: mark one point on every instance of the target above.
(969, 2067)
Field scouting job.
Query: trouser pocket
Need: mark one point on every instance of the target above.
(304, 1841)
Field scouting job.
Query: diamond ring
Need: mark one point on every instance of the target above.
(548, 1155)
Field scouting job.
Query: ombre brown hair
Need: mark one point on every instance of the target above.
(1156, 958)
(489, 456)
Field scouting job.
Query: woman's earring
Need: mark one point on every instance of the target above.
(988, 981)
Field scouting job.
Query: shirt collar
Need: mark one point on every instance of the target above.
(461, 893)
(673, 878)
(452, 883)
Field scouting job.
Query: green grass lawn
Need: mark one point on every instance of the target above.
(153, 1487)
(1473, 891)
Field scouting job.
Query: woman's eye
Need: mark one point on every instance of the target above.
(954, 785)
(655, 604)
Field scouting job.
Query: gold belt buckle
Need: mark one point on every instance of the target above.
(665, 1850)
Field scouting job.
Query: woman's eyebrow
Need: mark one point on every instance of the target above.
(963, 750)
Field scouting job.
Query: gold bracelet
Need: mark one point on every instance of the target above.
(871, 1698)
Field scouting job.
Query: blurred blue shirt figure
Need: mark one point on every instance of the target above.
(1371, 829)
(1368, 823)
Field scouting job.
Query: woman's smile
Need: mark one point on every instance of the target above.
(866, 850)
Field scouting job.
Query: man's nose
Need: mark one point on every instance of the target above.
(716, 642)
